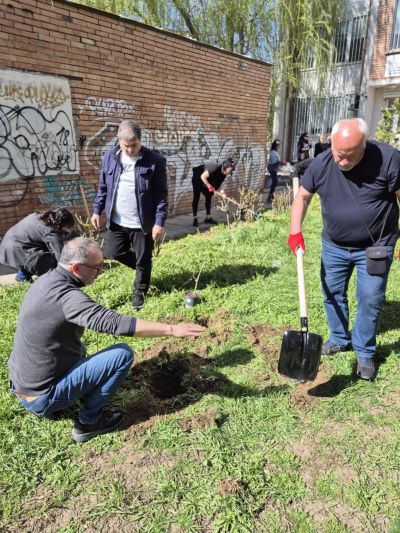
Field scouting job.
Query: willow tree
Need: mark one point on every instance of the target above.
(287, 33)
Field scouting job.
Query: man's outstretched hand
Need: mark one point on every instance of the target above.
(186, 330)
(295, 240)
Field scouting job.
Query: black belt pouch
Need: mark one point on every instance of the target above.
(377, 260)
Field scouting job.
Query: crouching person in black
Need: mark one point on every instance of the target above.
(33, 246)
(207, 179)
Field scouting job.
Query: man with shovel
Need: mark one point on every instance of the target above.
(358, 182)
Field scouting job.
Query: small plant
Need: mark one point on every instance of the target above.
(388, 129)
(283, 201)
(246, 209)
(85, 229)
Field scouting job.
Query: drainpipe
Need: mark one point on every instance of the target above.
(362, 68)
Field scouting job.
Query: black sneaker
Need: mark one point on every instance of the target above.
(195, 222)
(138, 300)
(210, 220)
(330, 348)
(108, 421)
(365, 368)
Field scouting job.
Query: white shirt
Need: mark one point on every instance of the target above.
(125, 212)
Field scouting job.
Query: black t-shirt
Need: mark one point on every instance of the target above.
(216, 177)
(373, 183)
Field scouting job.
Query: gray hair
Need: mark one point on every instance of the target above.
(362, 126)
(77, 250)
(129, 130)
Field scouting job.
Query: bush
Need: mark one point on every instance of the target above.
(388, 129)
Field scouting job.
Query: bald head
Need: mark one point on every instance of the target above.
(349, 140)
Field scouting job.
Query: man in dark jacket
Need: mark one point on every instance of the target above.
(133, 192)
(48, 368)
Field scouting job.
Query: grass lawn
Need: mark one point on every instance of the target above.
(215, 440)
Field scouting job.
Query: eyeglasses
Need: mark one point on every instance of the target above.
(99, 267)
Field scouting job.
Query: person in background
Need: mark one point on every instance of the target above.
(33, 246)
(133, 192)
(274, 162)
(321, 145)
(358, 183)
(303, 147)
(48, 369)
(207, 179)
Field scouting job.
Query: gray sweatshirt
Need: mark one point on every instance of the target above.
(51, 322)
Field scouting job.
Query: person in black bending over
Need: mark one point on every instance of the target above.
(33, 246)
(207, 179)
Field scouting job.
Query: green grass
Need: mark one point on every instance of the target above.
(242, 449)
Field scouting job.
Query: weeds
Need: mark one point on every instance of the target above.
(235, 448)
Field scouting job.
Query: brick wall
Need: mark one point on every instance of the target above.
(382, 39)
(194, 103)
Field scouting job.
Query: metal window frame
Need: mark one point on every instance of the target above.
(317, 116)
(352, 30)
(395, 37)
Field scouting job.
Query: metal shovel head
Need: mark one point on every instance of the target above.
(300, 355)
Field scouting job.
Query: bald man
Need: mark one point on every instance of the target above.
(358, 182)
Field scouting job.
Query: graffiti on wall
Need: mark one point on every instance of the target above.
(37, 136)
(106, 107)
(185, 144)
(63, 191)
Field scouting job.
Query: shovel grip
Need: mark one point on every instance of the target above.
(300, 281)
(300, 273)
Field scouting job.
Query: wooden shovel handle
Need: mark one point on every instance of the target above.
(300, 268)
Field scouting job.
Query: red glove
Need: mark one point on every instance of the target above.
(283, 162)
(211, 188)
(295, 240)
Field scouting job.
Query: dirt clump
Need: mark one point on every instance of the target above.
(230, 486)
(266, 339)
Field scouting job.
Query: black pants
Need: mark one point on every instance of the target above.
(39, 262)
(132, 248)
(199, 188)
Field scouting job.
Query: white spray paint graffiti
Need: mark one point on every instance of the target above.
(37, 137)
(185, 147)
(107, 107)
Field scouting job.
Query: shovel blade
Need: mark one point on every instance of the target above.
(300, 355)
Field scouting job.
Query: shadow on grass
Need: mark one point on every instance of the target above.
(222, 276)
(334, 386)
(170, 382)
(390, 316)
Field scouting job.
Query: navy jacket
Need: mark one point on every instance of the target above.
(151, 186)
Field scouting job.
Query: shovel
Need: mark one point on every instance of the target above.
(301, 350)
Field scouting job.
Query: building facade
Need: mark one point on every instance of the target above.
(364, 76)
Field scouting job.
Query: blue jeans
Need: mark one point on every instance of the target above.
(95, 379)
(337, 265)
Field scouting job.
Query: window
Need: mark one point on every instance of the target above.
(395, 40)
(357, 39)
(349, 40)
(340, 42)
(318, 115)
